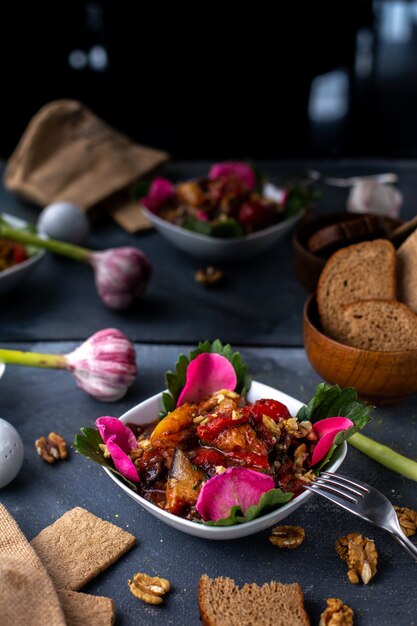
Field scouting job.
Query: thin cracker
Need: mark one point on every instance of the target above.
(78, 546)
(82, 609)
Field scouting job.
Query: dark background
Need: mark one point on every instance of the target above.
(261, 80)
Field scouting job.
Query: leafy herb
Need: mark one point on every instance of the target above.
(227, 228)
(197, 226)
(269, 501)
(175, 381)
(140, 189)
(333, 401)
(299, 198)
(88, 444)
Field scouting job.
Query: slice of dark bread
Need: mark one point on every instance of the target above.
(222, 603)
(357, 228)
(380, 325)
(364, 271)
(407, 271)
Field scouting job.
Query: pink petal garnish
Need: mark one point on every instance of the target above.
(160, 192)
(121, 434)
(235, 486)
(242, 171)
(326, 430)
(122, 462)
(202, 216)
(205, 374)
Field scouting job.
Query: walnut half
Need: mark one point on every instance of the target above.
(361, 556)
(51, 449)
(287, 536)
(149, 589)
(336, 614)
(407, 519)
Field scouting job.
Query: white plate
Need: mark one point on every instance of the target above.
(217, 249)
(148, 410)
(11, 277)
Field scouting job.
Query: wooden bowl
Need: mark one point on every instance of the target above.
(378, 377)
(308, 266)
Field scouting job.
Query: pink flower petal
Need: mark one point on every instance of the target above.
(242, 171)
(202, 216)
(122, 436)
(235, 486)
(160, 192)
(122, 462)
(326, 430)
(205, 374)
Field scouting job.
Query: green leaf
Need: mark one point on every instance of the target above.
(227, 229)
(88, 444)
(270, 500)
(175, 381)
(333, 401)
(299, 198)
(140, 189)
(197, 226)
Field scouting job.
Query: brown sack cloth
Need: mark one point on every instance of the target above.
(69, 154)
(27, 595)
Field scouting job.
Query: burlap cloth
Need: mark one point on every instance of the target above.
(67, 153)
(27, 594)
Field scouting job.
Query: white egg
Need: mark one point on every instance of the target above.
(11, 453)
(65, 221)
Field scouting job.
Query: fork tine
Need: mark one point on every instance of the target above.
(336, 495)
(324, 480)
(346, 480)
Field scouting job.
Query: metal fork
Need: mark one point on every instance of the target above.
(364, 501)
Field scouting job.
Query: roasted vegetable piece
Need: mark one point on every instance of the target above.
(183, 485)
(172, 429)
(209, 431)
(208, 459)
(274, 409)
(242, 438)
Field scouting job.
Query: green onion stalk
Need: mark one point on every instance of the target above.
(385, 455)
(121, 274)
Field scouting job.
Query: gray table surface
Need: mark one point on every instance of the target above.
(63, 309)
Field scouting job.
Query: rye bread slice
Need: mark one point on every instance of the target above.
(82, 609)
(222, 603)
(380, 325)
(363, 271)
(407, 271)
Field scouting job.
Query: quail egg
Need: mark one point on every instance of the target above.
(64, 221)
(11, 453)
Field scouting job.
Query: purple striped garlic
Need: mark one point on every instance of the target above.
(121, 274)
(104, 366)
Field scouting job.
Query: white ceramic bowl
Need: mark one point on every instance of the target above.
(11, 277)
(216, 249)
(147, 411)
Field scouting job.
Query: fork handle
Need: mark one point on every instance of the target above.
(406, 544)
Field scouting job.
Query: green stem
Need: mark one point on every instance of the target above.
(33, 359)
(57, 247)
(385, 455)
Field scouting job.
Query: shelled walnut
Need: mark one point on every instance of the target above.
(287, 536)
(208, 276)
(336, 614)
(149, 589)
(361, 556)
(407, 519)
(52, 448)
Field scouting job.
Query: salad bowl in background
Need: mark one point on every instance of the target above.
(215, 249)
(13, 276)
(148, 410)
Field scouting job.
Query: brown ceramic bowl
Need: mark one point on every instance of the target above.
(378, 377)
(308, 266)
